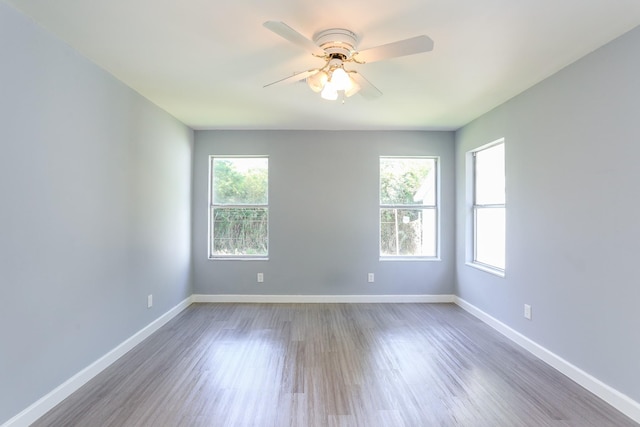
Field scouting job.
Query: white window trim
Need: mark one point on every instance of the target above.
(487, 268)
(435, 207)
(210, 255)
(471, 214)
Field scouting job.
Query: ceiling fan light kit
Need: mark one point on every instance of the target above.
(331, 79)
(338, 46)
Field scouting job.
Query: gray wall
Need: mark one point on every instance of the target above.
(95, 212)
(323, 214)
(572, 150)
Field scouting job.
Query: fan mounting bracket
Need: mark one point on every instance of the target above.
(337, 41)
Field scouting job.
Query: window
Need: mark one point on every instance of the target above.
(238, 207)
(489, 207)
(408, 207)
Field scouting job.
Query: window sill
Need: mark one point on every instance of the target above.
(487, 269)
(219, 258)
(408, 258)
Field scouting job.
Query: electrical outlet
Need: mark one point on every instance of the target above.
(260, 277)
(149, 301)
(527, 311)
(370, 278)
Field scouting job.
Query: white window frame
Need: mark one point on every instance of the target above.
(212, 206)
(435, 207)
(473, 214)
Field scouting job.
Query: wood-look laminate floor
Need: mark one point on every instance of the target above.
(330, 365)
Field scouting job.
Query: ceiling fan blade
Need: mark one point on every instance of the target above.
(293, 78)
(288, 33)
(405, 47)
(367, 89)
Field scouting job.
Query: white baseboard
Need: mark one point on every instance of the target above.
(618, 400)
(324, 298)
(47, 402)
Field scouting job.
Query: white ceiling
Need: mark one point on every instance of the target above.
(206, 61)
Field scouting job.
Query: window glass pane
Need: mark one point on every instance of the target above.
(489, 176)
(490, 236)
(407, 181)
(239, 231)
(408, 232)
(240, 181)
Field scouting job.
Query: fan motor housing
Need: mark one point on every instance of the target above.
(337, 41)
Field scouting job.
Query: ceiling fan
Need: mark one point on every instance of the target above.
(337, 47)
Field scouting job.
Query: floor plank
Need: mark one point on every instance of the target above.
(330, 365)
